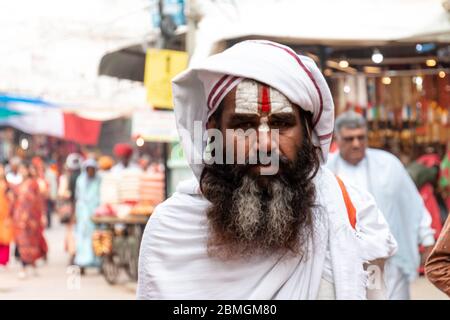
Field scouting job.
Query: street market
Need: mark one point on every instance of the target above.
(128, 131)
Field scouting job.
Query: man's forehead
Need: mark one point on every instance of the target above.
(353, 131)
(252, 97)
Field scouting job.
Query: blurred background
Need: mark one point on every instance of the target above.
(91, 80)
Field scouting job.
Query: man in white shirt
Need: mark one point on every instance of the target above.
(383, 175)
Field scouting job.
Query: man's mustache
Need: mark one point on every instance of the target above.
(249, 164)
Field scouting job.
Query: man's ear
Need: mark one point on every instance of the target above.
(336, 137)
(211, 124)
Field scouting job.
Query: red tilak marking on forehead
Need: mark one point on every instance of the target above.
(264, 103)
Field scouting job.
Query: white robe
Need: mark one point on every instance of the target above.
(174, 263)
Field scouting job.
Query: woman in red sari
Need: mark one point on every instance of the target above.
(6, 232)
(29, 220)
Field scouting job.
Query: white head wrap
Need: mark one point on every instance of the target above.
(199, 90)
(89, 163)
(73, 161)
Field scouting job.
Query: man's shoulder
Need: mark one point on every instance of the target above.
(332, 157)
(180, 206)
(382, 155)
(175, 223)
(179, 199)
(325, 172)
(384, 159)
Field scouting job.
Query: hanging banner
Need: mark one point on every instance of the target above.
(154, 126)
(160, 67)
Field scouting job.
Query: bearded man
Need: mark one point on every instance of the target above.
(263, 219)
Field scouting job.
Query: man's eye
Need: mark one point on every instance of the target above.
(279, 124)
(245, 125)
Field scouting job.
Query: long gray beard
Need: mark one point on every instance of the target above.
(248, 217)
(268, 223)
(251, 219)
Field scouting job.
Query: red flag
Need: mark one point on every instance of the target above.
(81, 130)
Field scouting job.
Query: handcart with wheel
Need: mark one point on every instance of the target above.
(117, 241)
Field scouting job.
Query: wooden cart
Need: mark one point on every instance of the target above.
(126, 234)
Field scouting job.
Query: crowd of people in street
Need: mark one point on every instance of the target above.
(33, 192)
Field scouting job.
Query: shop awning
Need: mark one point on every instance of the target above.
(6, 113)
(326, 22)
(37, 116)
(127, 63)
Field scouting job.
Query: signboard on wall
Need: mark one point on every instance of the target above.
(160, 67)
(154, 126)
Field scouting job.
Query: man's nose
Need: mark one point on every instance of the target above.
(264, 141)
(356, 143)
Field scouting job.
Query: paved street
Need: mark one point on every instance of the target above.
(56, 281)
(422, 289)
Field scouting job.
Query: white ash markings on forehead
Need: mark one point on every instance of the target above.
(279, 102)
(247, 96)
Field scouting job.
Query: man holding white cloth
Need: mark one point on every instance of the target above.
(286, 228)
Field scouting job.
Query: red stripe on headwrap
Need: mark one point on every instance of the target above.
(294, 55)
(326, 136)
(218, 96)
(214, 89)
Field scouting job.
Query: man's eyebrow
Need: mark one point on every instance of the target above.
(241, 117)
(353, 136)
(285, 116)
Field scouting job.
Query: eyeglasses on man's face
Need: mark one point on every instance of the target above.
(349, 139)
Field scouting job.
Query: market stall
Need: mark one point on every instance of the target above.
(128, 199)
(394, 70)
(407, 110)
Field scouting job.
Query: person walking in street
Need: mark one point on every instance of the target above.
(51, 178)
(384, 176)
(87, 195)
(6, 227)
(29, 221)
(124, 153)
(13, 176)
(444, 182)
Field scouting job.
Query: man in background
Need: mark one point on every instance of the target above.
(383, 175)
(124, 153)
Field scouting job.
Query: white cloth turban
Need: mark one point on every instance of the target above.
(90, 163)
